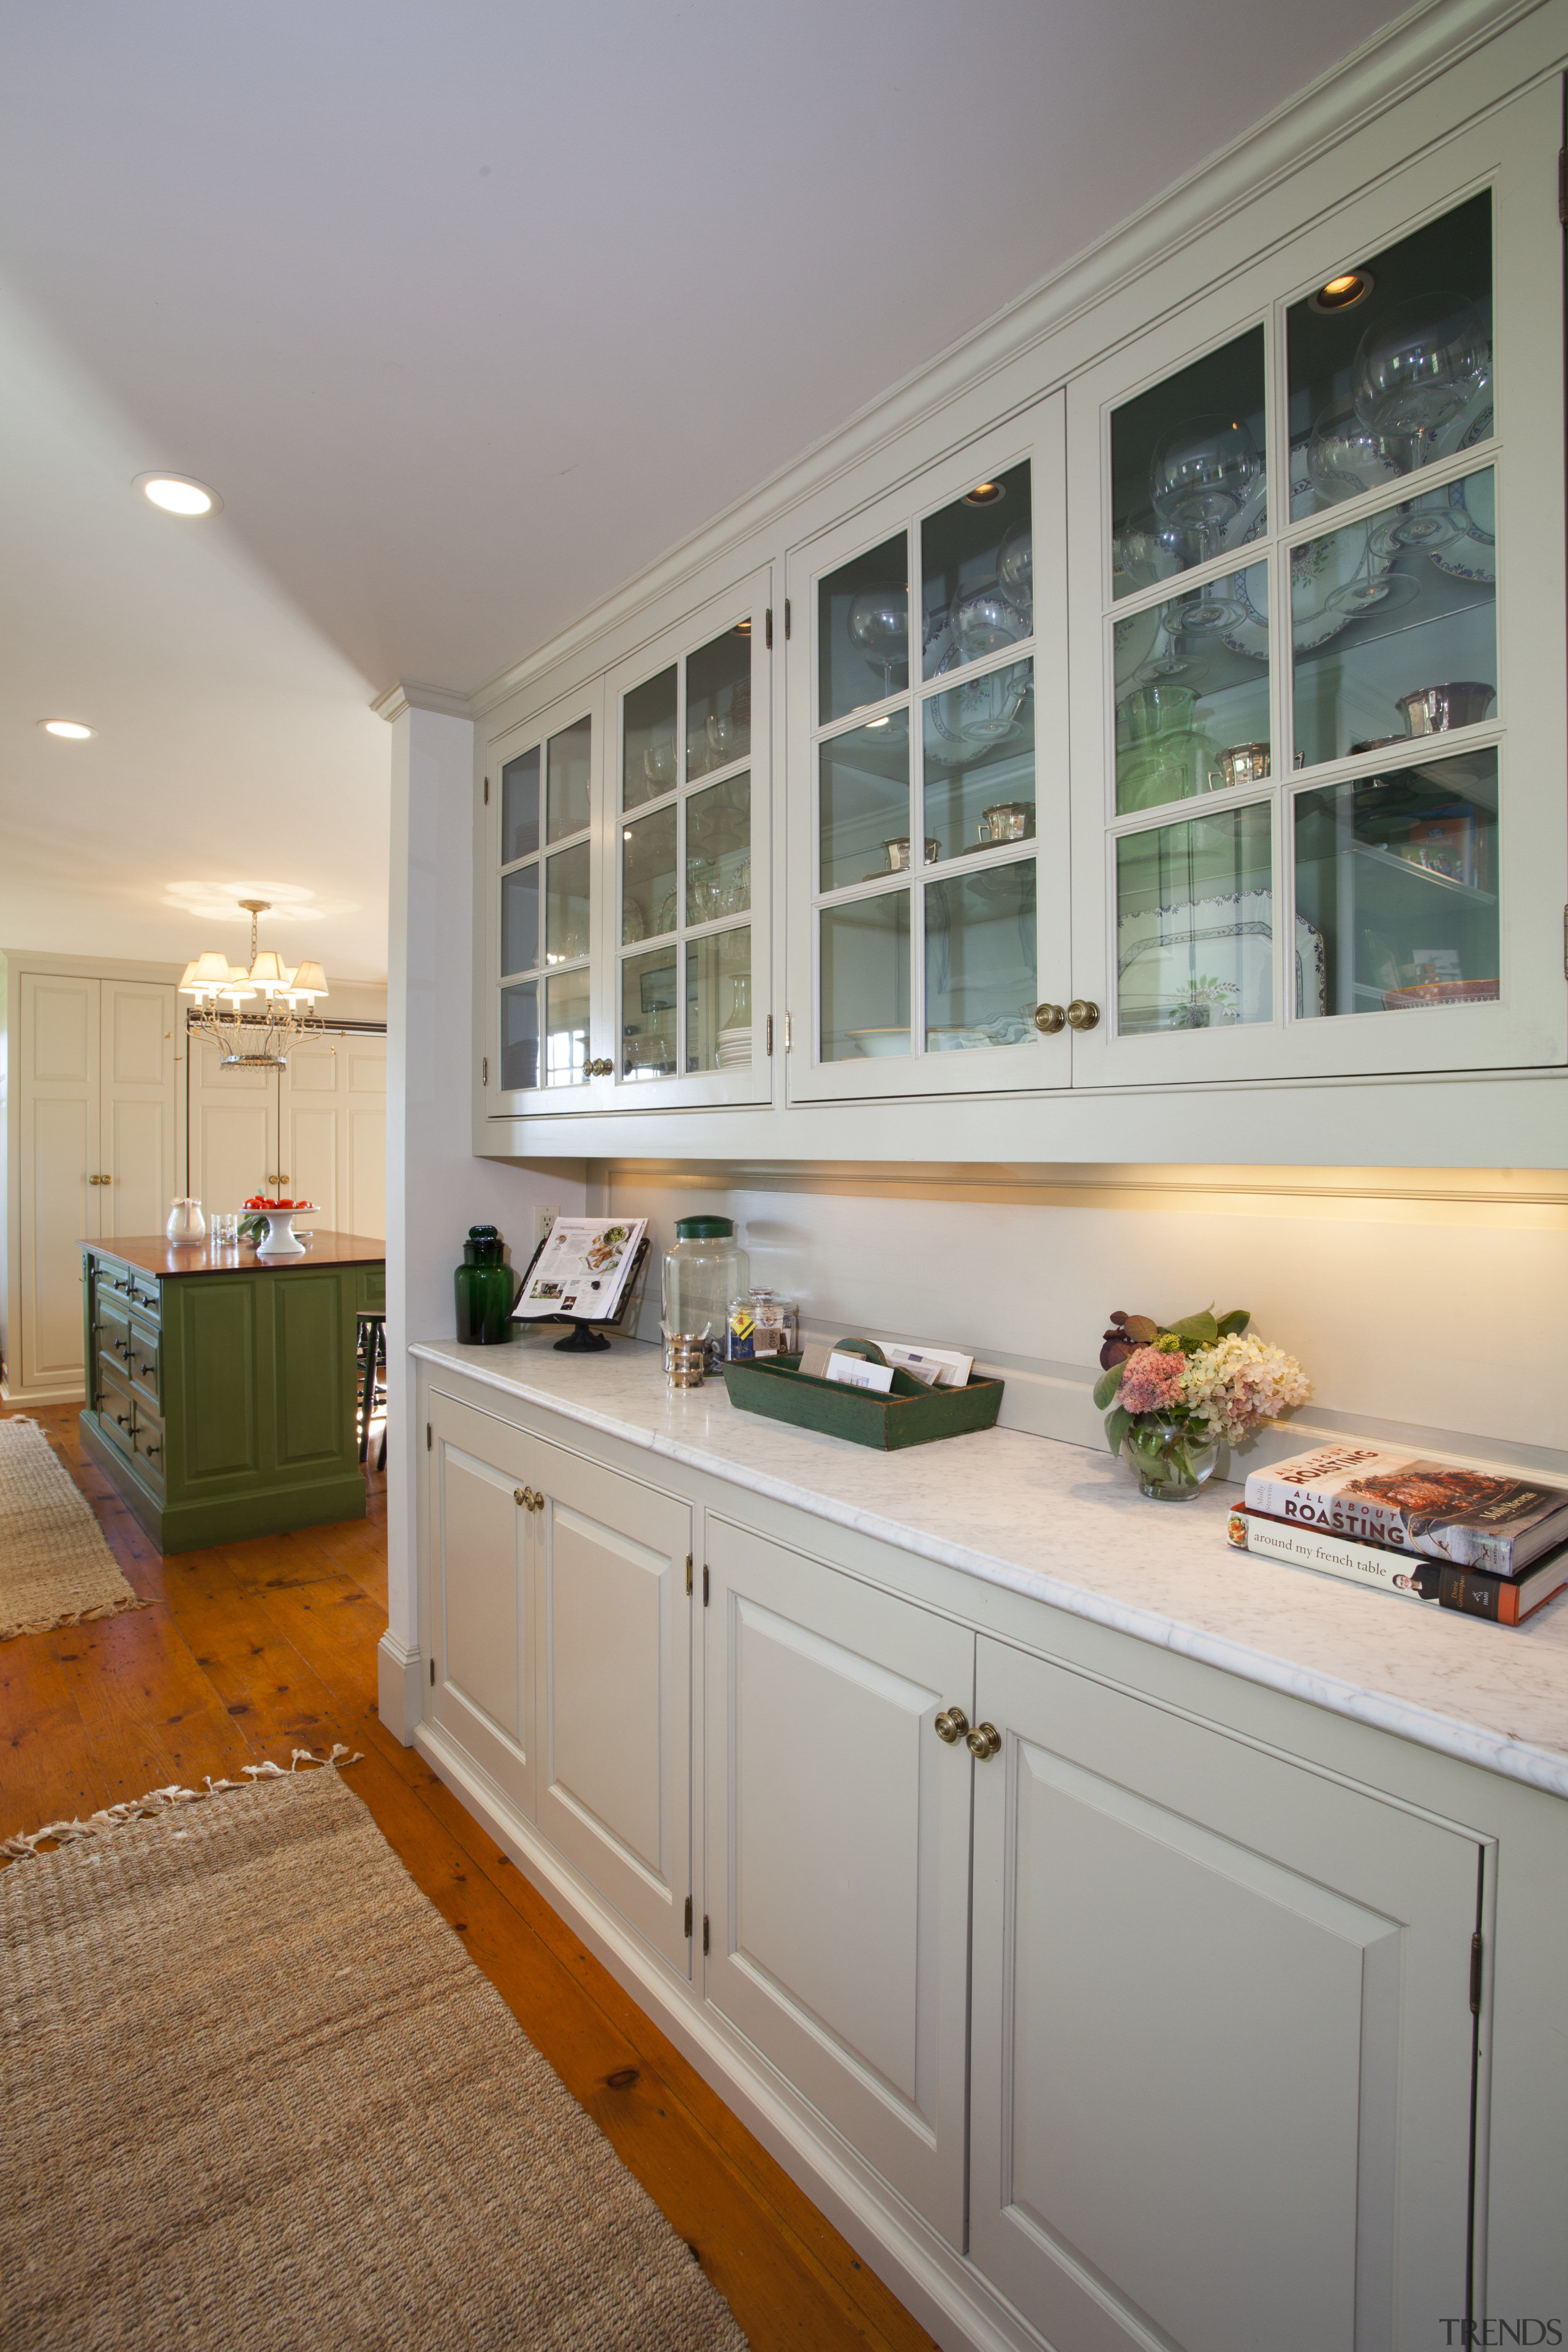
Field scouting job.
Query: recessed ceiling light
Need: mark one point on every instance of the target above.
(1343, 292)
(984, 494)
(179, 494)
(71, 728)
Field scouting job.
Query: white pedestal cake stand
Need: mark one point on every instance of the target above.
(279, 1239)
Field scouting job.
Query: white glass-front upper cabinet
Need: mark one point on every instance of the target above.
(687, 879)
(549, 1023)
(1317, 531)
(928, 840)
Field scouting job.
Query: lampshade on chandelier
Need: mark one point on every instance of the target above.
(258, 1040)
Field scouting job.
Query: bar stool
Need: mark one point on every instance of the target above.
(371, 1355)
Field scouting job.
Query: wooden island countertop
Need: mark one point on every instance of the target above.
(153, 1254)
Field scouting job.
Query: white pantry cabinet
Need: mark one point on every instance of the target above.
(1180, 706)
(1113, 2002)
(94, 1131)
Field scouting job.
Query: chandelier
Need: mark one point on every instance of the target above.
(261, 1039)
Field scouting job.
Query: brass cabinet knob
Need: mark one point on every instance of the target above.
(599, 1068)
(1082, 1014)
(984, 1742)
(528, 1498)
(951, 1724)
(1050, 1018)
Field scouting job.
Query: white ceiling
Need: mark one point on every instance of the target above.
(470, 309)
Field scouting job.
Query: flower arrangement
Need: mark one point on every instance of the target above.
(1170, 1391)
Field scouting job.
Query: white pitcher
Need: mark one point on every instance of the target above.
(186, 1222)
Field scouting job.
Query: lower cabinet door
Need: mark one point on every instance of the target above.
(614, 1688)
(1222, 2036)
(837, 1852)
(479, 1540)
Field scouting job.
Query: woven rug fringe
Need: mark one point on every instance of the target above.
(24, 1846)
(75, 1617)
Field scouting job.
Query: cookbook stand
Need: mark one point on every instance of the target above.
(587, 1336)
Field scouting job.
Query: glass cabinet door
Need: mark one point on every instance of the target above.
(1309, 769)
(929, 852)
(691, 860)
(547, 1047)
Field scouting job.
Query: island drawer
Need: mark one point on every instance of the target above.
(111, 1285)
(147, 1441)
(116, 1405)
(146, 1295)
(141, 1361)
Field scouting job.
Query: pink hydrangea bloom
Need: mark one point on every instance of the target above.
(1151, 1381)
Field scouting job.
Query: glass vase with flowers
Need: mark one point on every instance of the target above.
(1171, 1391)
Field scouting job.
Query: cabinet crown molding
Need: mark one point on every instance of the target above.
(402, 697)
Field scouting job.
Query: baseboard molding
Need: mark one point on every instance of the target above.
(19, 1393)
(938, 2287)
(399, 1674)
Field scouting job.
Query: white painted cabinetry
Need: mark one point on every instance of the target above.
(1221, 2061)
(560, 1637)
(839, 1851)
(316, 1128)
(1261, 583)
(93, 1129)
(1134, 2018)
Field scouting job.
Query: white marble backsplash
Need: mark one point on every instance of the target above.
(1065, 1524)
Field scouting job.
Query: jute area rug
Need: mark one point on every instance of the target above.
(55, 1566)
(254, 2093)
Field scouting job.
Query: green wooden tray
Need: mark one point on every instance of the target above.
(911, 1414)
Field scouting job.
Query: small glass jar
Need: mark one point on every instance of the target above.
(775, 1324)
(705, 1270)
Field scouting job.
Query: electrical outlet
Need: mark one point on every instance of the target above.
(543, 1221)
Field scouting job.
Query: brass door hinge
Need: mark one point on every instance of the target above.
(786, 617)
(485, 1070)
(705, 1584)
(689, 1576)
(789, 1038)
(768, 634)
(1475, 1950)
(689, 1916)
(705, 1934)
(426, 1437)
(771, 1017)
(487, 792)
(432, 1673)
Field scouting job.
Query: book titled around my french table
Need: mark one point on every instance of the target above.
(1505, 1600)
(1493, 1521)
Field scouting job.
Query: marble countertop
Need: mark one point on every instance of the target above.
(1069, 1526)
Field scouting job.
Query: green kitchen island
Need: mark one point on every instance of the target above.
(221, 1393)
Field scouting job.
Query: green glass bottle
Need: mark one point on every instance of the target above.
(486, 1290)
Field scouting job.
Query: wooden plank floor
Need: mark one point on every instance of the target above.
(253, 1648)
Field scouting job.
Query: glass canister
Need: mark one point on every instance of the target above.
(702, 1273)
(762, 1324)
(486, 1290)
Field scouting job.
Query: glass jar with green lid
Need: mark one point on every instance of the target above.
(702, 1273)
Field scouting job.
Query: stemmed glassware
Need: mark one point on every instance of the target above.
(878, 624)
(1345, 456)
(1418, 368)
(1201, 476)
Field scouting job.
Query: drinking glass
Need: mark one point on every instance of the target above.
(1418, 367)
(879, 626)
(1201, 474)
(1345, 456)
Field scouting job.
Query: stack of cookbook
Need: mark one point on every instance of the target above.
(1490, 1542)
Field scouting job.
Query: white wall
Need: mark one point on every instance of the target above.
(1426, 1307)
(435, 1188)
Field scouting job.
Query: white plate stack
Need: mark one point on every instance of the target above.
(733, 1051)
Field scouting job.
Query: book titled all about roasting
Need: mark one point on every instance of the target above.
(1494, 1520)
